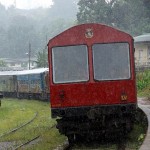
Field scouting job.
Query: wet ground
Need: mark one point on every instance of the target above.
(6, 145)
(144, 101)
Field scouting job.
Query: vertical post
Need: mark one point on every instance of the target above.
(44, 53)
(29, 54)
(29, 95)
(29, 82)
(43, 58)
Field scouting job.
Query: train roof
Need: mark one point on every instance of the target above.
(24, 72)
(89, 33)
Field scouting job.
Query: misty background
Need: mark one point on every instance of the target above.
(19, 27)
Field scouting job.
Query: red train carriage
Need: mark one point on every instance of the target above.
(92, 80)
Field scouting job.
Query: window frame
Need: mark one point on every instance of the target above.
(115, 79)
(69, 82)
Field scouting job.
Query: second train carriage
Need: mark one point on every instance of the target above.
(25, 84)
(8, 84)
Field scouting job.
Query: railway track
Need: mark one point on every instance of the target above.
(31, 140)
(9, 145)
(27, 143)
(15, 129)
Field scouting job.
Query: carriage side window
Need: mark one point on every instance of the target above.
(70, 64)
(111, 61)
(140, 54)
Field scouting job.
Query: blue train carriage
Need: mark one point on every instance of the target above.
(32, 84)
(8, 84)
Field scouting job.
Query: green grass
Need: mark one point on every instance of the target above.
(14, 113)
(143, 83)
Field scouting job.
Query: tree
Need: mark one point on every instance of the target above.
(19, 27)
(42, 60)
(95, 11)
(2, 63)
(146, 4)
(130, 16)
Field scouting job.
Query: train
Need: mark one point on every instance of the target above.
(92, 81)
(26, 84)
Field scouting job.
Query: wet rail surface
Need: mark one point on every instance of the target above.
(145, 106)
(9, 145)
(37, 138)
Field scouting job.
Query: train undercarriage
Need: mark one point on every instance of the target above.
(98, 124)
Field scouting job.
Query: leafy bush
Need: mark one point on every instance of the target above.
(143, 79)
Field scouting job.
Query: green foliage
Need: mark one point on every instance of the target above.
(2, 63)
(136, 136)
(42, 60)
(141, 137)
(94, 11)
(130, 16)
(143, 79)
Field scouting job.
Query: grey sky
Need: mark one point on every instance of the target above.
(27, 4)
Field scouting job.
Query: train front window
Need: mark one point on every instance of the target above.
(70, 64)
(111, 61)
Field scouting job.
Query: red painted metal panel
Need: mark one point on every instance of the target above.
(88, 94)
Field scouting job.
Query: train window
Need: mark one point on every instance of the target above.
(70, 64)
(111, 61)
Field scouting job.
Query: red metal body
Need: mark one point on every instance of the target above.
(91, 93)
